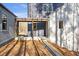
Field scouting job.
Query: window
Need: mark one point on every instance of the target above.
(60, 24)
(4, 22)
(44, 7)
(34, 26)
(50, 7)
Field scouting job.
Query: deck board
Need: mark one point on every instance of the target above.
(8, 49)
(30, 47)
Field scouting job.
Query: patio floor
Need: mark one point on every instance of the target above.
(33, 47)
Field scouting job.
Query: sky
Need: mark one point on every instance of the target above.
(19, 9)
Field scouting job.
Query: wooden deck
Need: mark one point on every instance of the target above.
(33, 47)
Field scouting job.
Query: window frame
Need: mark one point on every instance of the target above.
(4, 22)
(61, 24)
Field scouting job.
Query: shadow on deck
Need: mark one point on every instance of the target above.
(33, 47)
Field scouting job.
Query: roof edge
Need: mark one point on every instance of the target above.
(7, 9)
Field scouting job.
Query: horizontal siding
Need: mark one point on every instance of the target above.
(10, 33)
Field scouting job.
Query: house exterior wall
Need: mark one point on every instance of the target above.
(69, 14)
(10, 32)
(32, 11)
(36, 10)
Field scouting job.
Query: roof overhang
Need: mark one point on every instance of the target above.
(7, 9)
